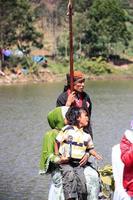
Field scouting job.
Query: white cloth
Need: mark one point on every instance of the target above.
(64, 110)
(129, 135)
(118, 166)
(56, 190)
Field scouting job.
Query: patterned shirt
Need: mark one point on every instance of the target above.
(74, 142)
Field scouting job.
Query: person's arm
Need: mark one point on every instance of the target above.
(89, 105)
(56, 148)
(84, 160)
(65, 100)
(70, 99)
(59, 139)
(61, 159)
(95, 154)
(126, 151)
(61, 100)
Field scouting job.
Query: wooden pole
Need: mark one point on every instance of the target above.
(70, 13)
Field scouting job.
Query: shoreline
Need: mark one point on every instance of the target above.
(49, 77)
(45, 77)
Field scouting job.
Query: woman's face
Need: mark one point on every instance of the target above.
(79, 86)
(83, 119)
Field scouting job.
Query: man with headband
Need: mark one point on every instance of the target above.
(78, 97)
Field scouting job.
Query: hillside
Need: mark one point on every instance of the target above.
(50, 22)
(53, 22)
(96, 42)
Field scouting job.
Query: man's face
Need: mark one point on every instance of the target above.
(79, 85)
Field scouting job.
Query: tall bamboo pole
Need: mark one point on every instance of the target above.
(70, 13)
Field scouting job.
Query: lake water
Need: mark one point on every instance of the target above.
(23, 111)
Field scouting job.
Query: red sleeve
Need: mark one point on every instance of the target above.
(126, 152)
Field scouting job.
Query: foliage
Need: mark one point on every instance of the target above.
(28, 63)
(98, 26)
(107, 26)
(95, 66)
(81, 6)
(58, 66)
(12, 62)
(23, 62)
(63, 41)
(107, 181)
(17, 18)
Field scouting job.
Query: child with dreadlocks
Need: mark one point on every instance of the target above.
(71, 144)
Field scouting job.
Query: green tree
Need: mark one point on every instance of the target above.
(17, 24)
(81, 6)
(107, 25)
(79, 24)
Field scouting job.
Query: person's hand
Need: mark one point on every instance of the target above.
(84, 160)
(63, 160)
(70, 99)
(99, 157)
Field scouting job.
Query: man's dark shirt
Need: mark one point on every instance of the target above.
(86, 104)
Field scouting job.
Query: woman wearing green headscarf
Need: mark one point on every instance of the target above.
(49, 161)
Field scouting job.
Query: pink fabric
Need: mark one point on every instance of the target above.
(126, 147)
(78, 102)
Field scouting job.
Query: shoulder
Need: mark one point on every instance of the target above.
(124, 144)
(61, 99)
(67, 128)
(87, 136)
(65, 131)
(63, 94)
(85, 95)
(87, 101)
(129, 135)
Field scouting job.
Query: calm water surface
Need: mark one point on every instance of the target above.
(23, 111)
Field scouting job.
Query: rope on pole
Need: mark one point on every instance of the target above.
(70, 13)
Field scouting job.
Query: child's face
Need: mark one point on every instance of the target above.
(83, 119)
